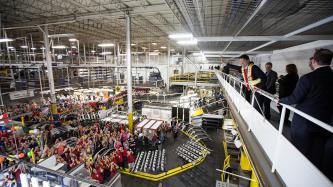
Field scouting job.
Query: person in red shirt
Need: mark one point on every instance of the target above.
(113, 169)
(96, 175)
(119, 156)
(130, 159)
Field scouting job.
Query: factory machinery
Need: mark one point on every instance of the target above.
(151, 165)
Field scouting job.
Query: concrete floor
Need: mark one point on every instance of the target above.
(201, 176)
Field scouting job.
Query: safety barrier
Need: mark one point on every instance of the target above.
(291, 165)
(172, 172)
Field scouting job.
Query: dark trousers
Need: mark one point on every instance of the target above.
(327, 163)
(258, 102)
(267, 108)
(310, 144)
(286, 117)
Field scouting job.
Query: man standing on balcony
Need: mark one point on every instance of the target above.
(313, 96)
(254, 78)
(271, 88)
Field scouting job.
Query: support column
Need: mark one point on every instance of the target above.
(68, 84)
(117, 64)
(78, 51)
(183, 63)
(40, 84)
(84, 53)
(50, 73)
(129, 72)
(168, 68)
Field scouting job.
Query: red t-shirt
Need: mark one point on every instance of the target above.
(119, 158)
(113, 172)
(130, 158)
(97, 176)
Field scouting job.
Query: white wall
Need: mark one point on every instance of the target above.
(280, 59)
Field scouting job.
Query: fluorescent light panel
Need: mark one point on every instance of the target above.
(24, 47)
(163, 47)
(106, 53)
(188, 42)
(58, 47)
(106, 45)
(5, 40)
(154, 53)
(68, 35)
(72, 39)
(181, 36)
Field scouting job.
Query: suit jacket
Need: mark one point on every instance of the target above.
(287, 84)
(226, 69)
(257, 73)
(271, 80)
(313, 95)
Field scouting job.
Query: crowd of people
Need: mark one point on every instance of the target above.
(312, 93)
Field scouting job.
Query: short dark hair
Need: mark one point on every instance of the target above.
(311, 58)
(291, 69)
(323, 56)
(245, 57)
(269, 63)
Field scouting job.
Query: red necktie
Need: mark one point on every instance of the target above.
(246, 80)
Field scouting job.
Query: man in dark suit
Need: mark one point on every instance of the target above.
(270, 88)
(313, 96)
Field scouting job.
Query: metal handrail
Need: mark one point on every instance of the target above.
(275, 99)
(229, 82)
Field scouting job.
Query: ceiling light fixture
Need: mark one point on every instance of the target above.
(156, 50)
(163, 47)
(154, 53)
(72, 39)
(106, 53)
(5, 40)
(33, 48)
(24, 47)
(133, 44)
(10, 47)
(154, 43)
(73, 47)
(93, 51)
(61, 35)
(188, 42)
(180, 36)
(59, 47)
(106, 45)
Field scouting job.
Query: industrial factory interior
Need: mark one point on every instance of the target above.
(166, 93)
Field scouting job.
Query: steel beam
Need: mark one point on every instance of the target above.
(262, 3)
(264, 38)
(303, 29)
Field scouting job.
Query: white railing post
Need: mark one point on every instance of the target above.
(253, 96)
(241, 88)
(278, 138)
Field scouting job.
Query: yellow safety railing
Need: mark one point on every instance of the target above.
(171, 172)
(202, 77)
